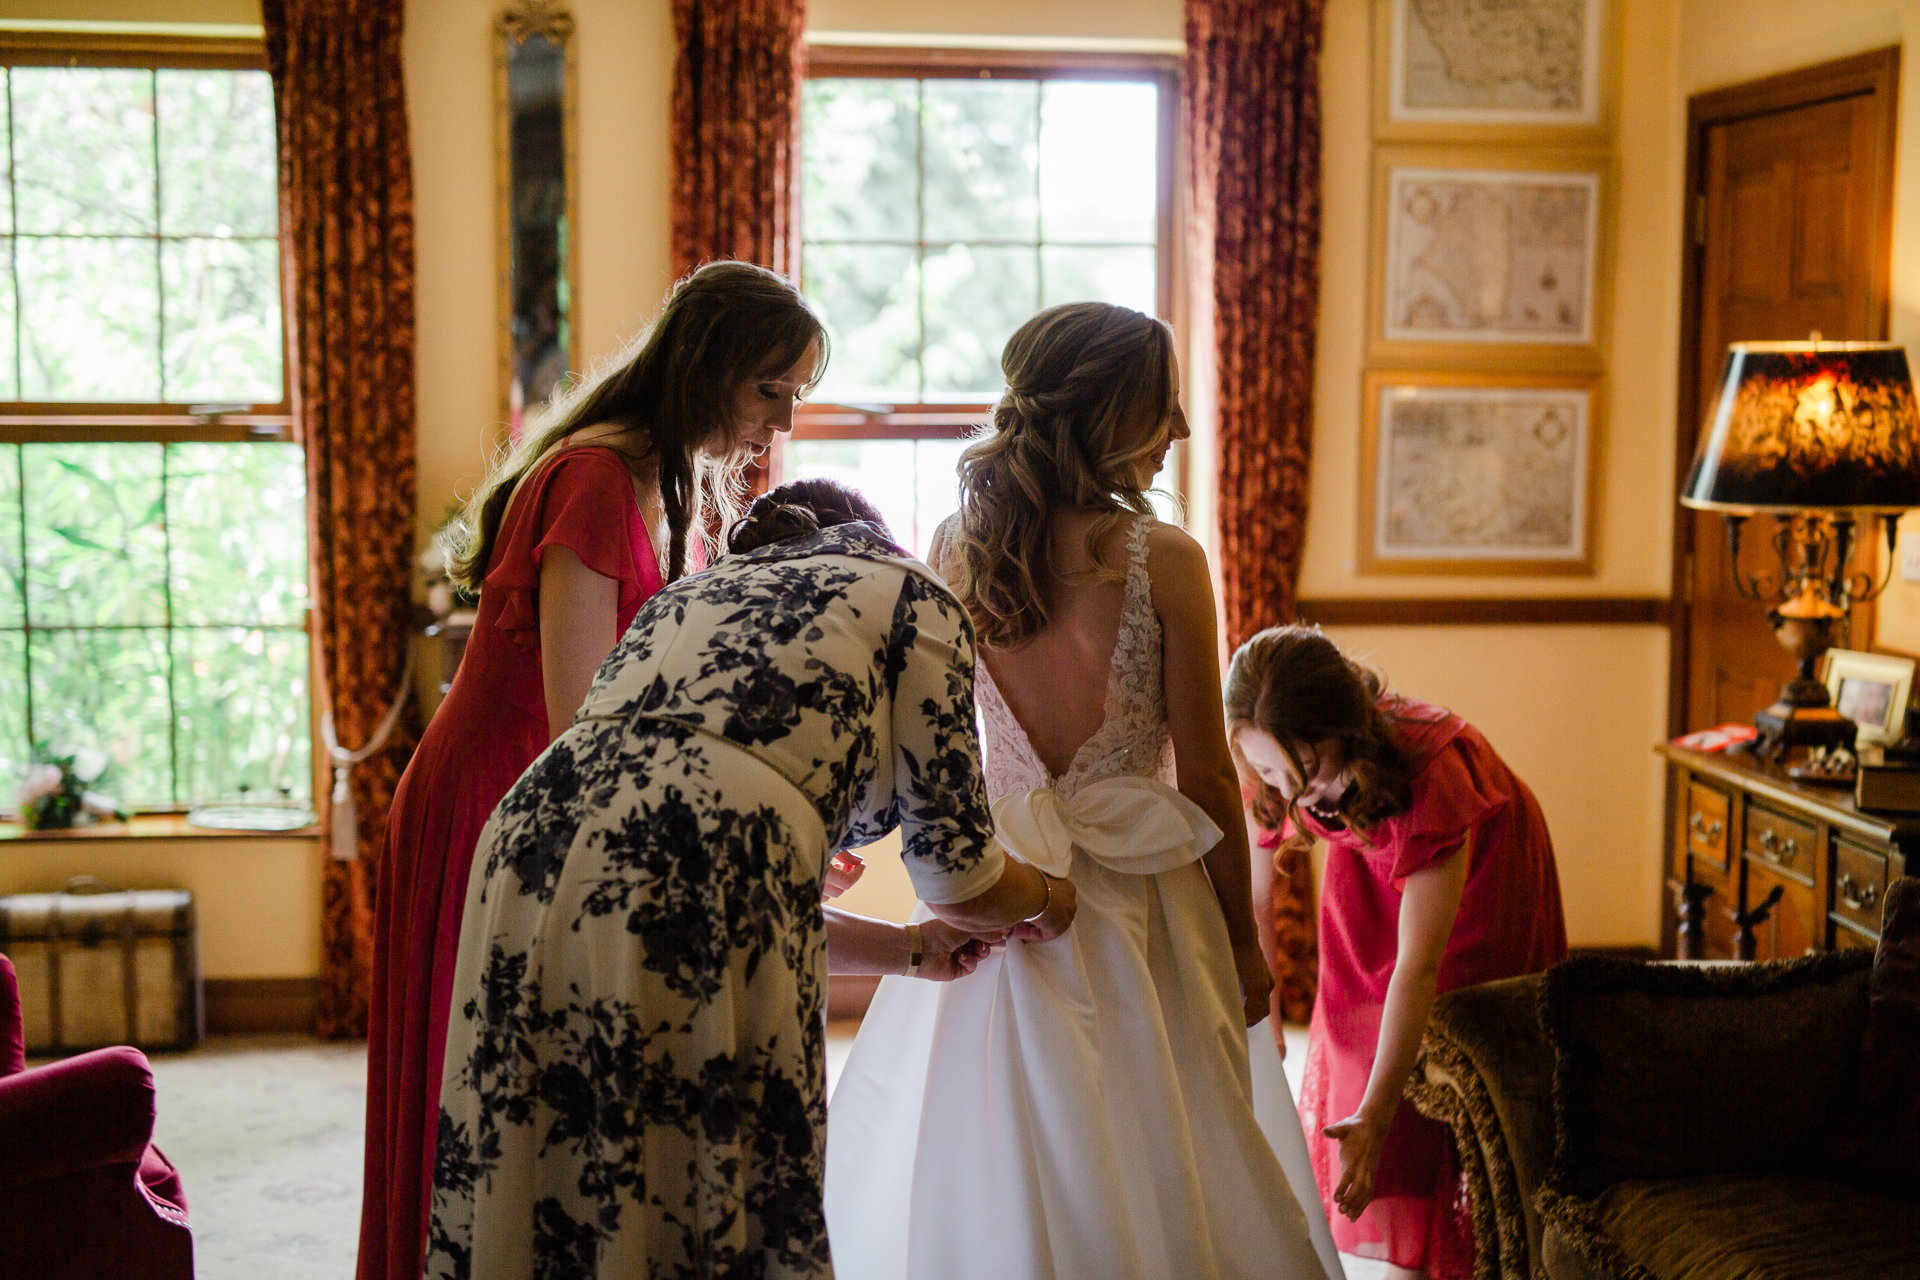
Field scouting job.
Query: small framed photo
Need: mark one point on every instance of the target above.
(1468, 473)
(1870, 689)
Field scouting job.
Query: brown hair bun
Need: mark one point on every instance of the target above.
(797, 508)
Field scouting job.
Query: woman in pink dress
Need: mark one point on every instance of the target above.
(1439, 874)
(568, 536)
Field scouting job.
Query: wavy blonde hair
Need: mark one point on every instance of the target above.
(722, 326)
(1090, 393)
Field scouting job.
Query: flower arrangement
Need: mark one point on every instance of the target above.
(57, 791)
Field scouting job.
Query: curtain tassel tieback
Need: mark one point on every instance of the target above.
(344, 814)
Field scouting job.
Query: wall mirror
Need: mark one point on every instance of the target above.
(536, 179)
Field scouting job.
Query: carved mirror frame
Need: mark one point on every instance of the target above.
(537, 212)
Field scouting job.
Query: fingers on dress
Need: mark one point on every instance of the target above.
(1081, 1107)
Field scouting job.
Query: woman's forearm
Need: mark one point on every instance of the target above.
(1410, 996)
(863, 945)
(1020, 893)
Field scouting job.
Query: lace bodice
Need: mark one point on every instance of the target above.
(1133, 737)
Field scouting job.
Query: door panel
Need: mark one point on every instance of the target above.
(1788, 245)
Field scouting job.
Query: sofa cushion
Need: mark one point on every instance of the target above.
(1664, 1071)
(1878, 1137)
(1762, 1228)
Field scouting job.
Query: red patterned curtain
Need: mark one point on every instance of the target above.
(1253, 109)
(736, 137)
(736, 131)
(346, 217)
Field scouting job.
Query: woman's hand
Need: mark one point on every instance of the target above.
(1062, 903)
(948, 953)
(1256, 980)
(844, 870)
(1360, 1139)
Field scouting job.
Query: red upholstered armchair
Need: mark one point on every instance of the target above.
(84, 1193)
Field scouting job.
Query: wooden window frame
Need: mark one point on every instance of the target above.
(946, 421)
(125, 422)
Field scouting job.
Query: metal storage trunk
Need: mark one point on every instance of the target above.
(104, 968)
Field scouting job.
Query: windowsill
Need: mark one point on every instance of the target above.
(151, 826)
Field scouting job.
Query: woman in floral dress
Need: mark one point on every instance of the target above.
(635, 1076)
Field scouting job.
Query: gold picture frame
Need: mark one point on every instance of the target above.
(1479, 473)
(1872, 690)
(537, 227)
(1469, 262)
(1412, 101)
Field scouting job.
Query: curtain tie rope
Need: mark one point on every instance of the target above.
(344, 813)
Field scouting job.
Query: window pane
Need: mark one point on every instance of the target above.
(242, 699)
(9, 365)
(976, 298)
(222, 320)
(15, 750)
(860, 139)
(218, 175)
(867, 294)
(982, 146)
(12, 607)
(1069, 273)
(936, 465)
(96, 547)
(1098, 162)
(90, 319)
(237, 521)
(6, 164)
(882, 470)
(108, 689)
(83, 150)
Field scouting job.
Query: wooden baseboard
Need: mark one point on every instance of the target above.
(256, 1005)
(849, 994)
(1624, 951)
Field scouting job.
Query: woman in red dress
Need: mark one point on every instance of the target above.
(569, 535)
(1439, 875)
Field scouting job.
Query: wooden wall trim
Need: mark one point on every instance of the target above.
(255, 1005)
(1485, 611)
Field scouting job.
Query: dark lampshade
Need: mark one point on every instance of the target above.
(1803, 425)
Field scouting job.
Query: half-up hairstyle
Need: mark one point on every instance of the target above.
(1090, 393)
(1294, 684)
(800, 507)
(672, 388)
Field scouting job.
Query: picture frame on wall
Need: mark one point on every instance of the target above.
(1478, 473)
(1473, 70)
(1493, 258)
(1870, 689)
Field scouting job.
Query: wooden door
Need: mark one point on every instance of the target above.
(1789, 234)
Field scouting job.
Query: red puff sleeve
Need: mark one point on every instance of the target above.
(581, 500)
(1450, 798)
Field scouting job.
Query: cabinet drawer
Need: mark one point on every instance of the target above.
(1792, 928)
(1782, 843)
(1859, 882)
(1707, 824)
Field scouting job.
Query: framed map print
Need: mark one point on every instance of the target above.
(1467, 473)
(1495, 68)
(1504, 258)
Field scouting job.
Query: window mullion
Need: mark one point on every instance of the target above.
(159, 255)
(166, 596)
(13, 250)
(920, 236)
(26, 603)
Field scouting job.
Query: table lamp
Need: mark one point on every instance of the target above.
(1817, 435)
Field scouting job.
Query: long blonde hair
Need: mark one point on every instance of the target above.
(721, 326)
(1066, 435)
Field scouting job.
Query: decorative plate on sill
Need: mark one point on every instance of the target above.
(252, 817)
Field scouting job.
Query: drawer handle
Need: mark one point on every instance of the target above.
(1857, 896)
(1776, 849)
(1700, 827)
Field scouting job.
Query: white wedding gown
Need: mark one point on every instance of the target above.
(1081, 1109)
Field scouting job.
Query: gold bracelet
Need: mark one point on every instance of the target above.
(916, 950)
(1046, 880)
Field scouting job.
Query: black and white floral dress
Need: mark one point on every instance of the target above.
(635, 1075)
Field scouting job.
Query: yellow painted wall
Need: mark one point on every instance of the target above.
(1729, 41)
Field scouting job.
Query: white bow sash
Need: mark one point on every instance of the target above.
(1137, 826)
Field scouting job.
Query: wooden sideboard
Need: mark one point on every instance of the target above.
(1761, 867)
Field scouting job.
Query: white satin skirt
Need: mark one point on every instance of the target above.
(1081, 1109)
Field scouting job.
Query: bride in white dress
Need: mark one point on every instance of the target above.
(1085, 1108)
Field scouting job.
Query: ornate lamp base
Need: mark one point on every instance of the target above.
(1784, 726)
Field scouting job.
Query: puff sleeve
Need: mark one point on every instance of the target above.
(1450, 799)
